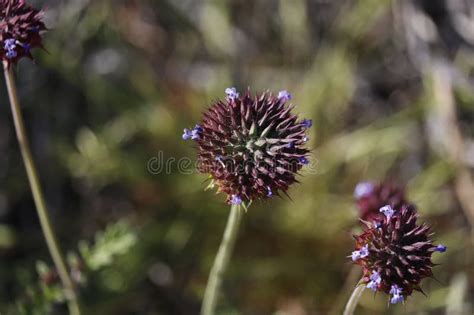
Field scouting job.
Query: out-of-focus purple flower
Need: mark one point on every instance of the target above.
(371, 197)
(363, 189)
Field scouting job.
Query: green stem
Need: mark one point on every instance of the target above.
(36, 190)
(221, 261)
(354, 299)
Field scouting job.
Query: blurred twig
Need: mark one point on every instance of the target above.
(457, 293)
(352, 277)
(453, 141)
(420, 33)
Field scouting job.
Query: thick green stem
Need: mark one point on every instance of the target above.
(354, 299)
(36, 190)
(221, 261)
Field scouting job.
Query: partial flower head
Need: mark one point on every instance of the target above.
(252, 146)
(371, 197)
(20, 27)
(398, 253)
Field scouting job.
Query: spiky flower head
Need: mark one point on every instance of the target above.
(20, 27)
(395, 253)
(252, 146)
(371, 197)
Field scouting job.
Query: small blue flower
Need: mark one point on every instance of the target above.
(363, 189)
(387, 211)
(236, 200)
(9, 44)
(441, 248)
(362, 253)
(269, 191)
(195, 134)
(11, 54)
(303, 160)
(218, 158)
(308, 123)
(187, 134)
(231, 93)
(397, 297)
(290, 145)
(375, 280)
(377, 225)
(284, 96)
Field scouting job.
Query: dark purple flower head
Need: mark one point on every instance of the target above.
(396, 254)
(252, 146)
(20, 27)
(371, 197)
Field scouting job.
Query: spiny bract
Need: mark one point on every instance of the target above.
(370, 197)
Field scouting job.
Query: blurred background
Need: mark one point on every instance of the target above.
(389, 86)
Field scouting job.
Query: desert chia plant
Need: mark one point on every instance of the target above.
(252, 148)
(395, 255)
(20, 31)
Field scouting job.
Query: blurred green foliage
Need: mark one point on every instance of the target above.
(92, 261)
(121, 79)
(115, 240)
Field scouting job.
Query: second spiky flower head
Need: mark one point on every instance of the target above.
(252, 146)
(395, 253)
(20, 27)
